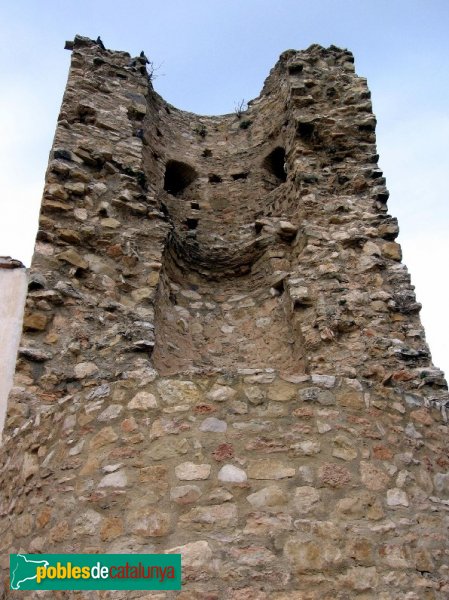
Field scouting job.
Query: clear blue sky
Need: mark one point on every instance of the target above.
(211, 54)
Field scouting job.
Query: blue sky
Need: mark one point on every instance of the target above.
(212, 53)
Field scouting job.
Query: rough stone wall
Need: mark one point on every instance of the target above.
(222, 352)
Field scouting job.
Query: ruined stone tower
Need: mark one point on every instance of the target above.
(222, 354)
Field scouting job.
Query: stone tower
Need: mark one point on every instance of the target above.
(222, 354)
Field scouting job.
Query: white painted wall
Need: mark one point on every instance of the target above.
(13, 288)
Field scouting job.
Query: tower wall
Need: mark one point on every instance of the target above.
(223, 352)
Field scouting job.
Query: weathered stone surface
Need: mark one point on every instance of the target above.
(350, 399)
(221, 393)
(85, 369)
(422, 416)
(150, 522)
(77, 188)
(164, 448)
(282, 391)
(267, 524)
(213, 425)
(373, 477)
(30, 465)
(268, 497)
(223, 452)
(178, 392)
(222, 515)
(195, 555)
(35, 354)
(423, 561)
(397, 497)
(306, 555)
(102, 391)
(117, 479)
(441, 482)
(360, 578)
(189, 471)
(254, 394)
(88, 523)
(35, 322)
(185, 494)
(164, 426)
(232, 474)
(392, 250)
(305, 499)
(357, 505)
(72, 257)
(316, 394)
(104, 437)
(43, 518)
(24, 525)
(327, 381)
(382, 452)
(111, 529)
(143, 401)
(60, 532)
(334, 475)
(394, 556)
(269, 469)
(306, 448)
(153, 473)
(111, 412)
(344, 448)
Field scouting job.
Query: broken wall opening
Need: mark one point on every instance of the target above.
(178, 176)
(274, 163)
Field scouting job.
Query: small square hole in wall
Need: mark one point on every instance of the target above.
(195, 205)
(178, 176)
(192, 223)
(215, 178)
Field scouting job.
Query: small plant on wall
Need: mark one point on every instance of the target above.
(245, 123)
(200, 130)
(240, 108)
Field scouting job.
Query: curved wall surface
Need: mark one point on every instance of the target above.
(222, 352)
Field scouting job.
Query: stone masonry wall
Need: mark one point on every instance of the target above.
(222, 353)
